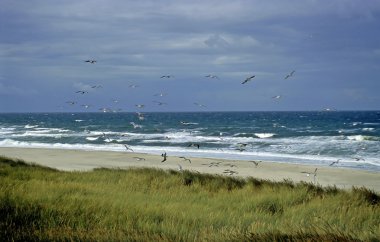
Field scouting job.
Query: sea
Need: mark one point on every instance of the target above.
(352, 139)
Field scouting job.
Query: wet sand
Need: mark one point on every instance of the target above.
(81, 160)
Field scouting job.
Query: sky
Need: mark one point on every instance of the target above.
(333, 47)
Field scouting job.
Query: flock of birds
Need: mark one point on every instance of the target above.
(240, 146)
(159, 103)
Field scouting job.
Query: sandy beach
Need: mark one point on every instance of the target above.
(81, 160)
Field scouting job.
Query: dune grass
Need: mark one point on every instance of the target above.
(43, 204)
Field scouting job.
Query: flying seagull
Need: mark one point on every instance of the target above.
(311, 173)
(213, 164)
(185, 159)
(160, 94)
(212, 76)
(194, 145)
(71, 102)
(127, 147)
(248, 79)
(200, 105)
(276, 97)
(133, 86)
(166, 76)
(335, 162)
(140, 105)
(85, 106)
(81, 92)
(135, 126)
(165, 156)
(230, 172)
(159, 103)
(179, 167)
(140, 116)
(97, 86)
(90, 61)
(289, 75)
(255, 162)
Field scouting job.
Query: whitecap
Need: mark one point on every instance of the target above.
(92, 138)
(28, 126)
(264, 135)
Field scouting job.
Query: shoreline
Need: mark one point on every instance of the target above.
(82, 160)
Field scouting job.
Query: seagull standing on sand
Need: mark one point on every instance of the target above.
(248, 79)
(139, 158)
(165, 156)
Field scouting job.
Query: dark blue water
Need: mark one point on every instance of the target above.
(297, 137)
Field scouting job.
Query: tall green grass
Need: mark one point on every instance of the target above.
(43, 204)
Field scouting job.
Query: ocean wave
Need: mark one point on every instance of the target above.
(29, 126)
(206, 153)
(264, 135)
(92, 138)
(363, 138)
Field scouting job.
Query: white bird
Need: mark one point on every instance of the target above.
(276, 97)
(140, 105)
(139, 158)
(311, 173)
(85, 106)
(248, 79)
(133, 86)
(81, 92)
(200, 105)
(179, 167)
(140, 116)
(135, 126)
(160, 94)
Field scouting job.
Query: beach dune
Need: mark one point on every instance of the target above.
(81, 160)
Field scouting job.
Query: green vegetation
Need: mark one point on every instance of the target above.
(38, 203)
